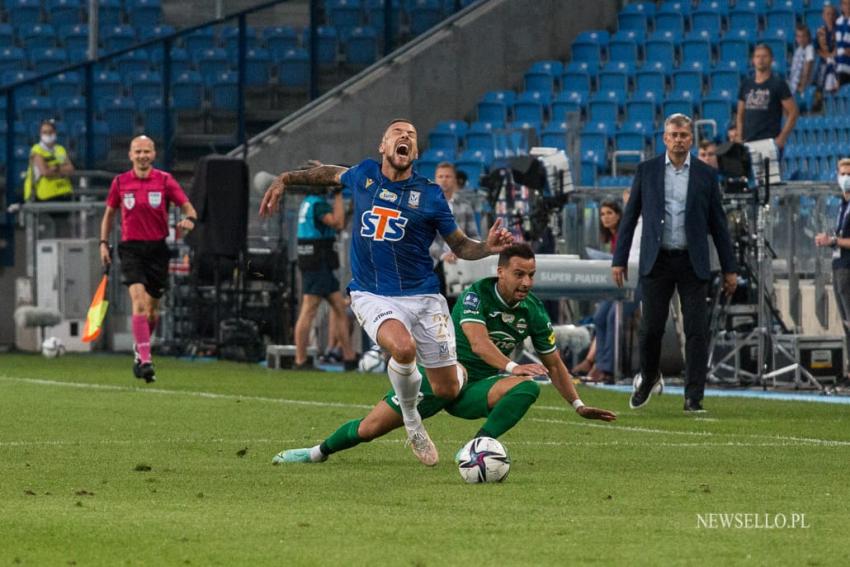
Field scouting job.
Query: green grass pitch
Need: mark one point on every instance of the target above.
(99, 469)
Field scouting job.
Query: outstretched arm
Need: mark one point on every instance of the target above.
(323, 175)
(498, 239)
(563, 382)
(484, 348)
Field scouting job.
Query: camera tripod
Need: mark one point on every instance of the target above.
(767, 344)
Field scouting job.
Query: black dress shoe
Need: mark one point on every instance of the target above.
(692, 406)
(642, 393)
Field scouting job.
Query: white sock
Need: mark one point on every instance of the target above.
(316, 455)
(406, 380)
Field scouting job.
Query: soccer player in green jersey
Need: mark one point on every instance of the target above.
(495, 315)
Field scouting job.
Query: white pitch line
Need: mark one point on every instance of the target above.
(211, 395)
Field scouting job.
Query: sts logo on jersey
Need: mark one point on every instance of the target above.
(380, 223)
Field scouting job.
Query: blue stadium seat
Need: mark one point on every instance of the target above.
(74, 36)
(531, 129)
(61, 12)
(229, 39)
(687, 80)
(101, 140)
(7, 35)
(640, 111)
(696, 50)
(554, 135)
(12, 59)
(180, 61)
(734, 49)
(203, 38)
(757, 6)
(722, 79)
(37, 35)
(143, 13)
(650, 80)
(107, 85)
(492, 111)
(719, 6)
(294, 69)
(224, 91)
(328, 45)
(375, 15)
(744, 19)
(436, 155)
(72, 109)
(670, 21)
(424, 15)
(566, 102)
(258, 67)
(108, 13)
(719, 110)
(345, 15)
(36, 109)
(795, 6)
(152, 115)
(706, 20)
(26, 92)
(161, 30)
(813, 19)
(675, 7)
(23, 12)
(602, 109)
(660, 50)
(479, 137)
(613, 77)
(459, 127)
(531, 106)
(64, 85)
(632, 140)
(45, 59)
(447, 140)
(586, 50)
(680, 105)
(280, 39)
(187, 92)
(539, 81)
(780, 19)
(551, 66)
(143, 86)
(506, 96)
(474, 164)
(631, 20)
(621, 49)
(361, 47)
(118, 37)
(131, 62)
(577, 78)
(211, 61)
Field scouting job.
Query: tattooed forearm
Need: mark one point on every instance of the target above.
(467, 248)
(322, 175)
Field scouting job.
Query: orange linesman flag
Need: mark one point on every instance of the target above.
(97, 312)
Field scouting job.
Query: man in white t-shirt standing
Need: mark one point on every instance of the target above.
(803, 61)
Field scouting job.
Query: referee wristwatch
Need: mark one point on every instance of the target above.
(833, 242)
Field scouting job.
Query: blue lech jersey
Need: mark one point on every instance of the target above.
(394, 224)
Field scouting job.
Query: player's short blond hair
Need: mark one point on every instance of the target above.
(843, 162)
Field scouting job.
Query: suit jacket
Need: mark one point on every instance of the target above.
(704, 216)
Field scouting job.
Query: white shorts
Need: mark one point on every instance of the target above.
(425, 316)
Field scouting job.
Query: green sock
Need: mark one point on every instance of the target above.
(343, 438)
(509, 410)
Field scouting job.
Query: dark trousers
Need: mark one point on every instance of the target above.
(673, 271)
(841, 287)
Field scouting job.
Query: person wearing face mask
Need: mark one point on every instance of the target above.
(839, 241)
(47, 179)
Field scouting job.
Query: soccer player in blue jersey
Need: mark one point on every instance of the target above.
(394, 290)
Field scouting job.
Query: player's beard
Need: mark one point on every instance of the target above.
(393, 160)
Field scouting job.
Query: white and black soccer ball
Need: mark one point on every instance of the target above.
(373, 361)
(52, 347)
(483, 460)
(657, 390)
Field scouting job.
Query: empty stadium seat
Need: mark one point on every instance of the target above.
(258, 64)
(211, 61)
(345, 15)
(531, 106)
(45, 59)
(119, 113)
(640, 111)
(72, 110)
(187, 92)
(118, 37)
(650, 80)
(224, 91)
(554, 135)
(23, 12)
(687, 80)
(230, 39)
(294, 69)
(64, 85)
(444, 139)
(100, 149)
(152, 32)
(143, 86)
(578, 77)
(25, 92)
(479, 137)
(36, 109)
(60, 12)
(361, 47)
(280, 39)
(108, 13)
(37, 35)
(75, 36)
(670, 21)
(567, 102)
(200, 39)
(660, 50)
(328, 45)
(143, 13)
(131, 62)
(424, 14)
(12, 59)
(494, 111)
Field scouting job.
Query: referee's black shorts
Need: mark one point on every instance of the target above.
(145, 262)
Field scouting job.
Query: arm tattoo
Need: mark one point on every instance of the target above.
(324, 175)
(465, 247)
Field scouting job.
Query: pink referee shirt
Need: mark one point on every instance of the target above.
(144, 203)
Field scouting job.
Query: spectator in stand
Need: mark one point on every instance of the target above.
(732, 132)
(762, 101)
(708, 152)
(842, 44)
(47, 180)
(826, 79)
(800, 76)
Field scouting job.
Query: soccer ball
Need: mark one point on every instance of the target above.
(373, 361)
(658, 389)
(483, 460)
(52, 347)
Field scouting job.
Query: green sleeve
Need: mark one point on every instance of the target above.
(471, 307)
(542, 334)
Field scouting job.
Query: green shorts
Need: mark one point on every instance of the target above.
(471, 403)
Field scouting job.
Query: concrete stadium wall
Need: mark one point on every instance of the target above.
(440, 77)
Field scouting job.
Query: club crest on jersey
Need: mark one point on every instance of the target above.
(386, 195)
(381, 223)
(508, 318)
(155, 198)
(413, 200)
(471, 301)
(368, 183)
(129, 200)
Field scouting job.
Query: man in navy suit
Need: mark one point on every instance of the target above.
(679, 200)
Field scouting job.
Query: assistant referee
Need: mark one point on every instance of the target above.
(143, 195)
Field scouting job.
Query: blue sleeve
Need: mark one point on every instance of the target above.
(350, 177)
(443, 217)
